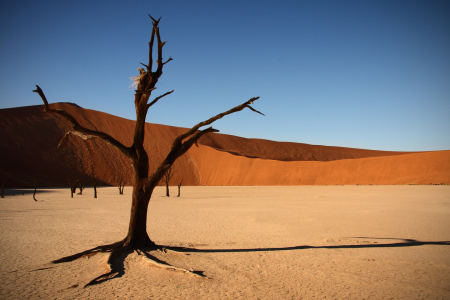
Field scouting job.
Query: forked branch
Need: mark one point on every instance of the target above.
(150, 45)
(179, 147)
(194, 129)
(79, 130)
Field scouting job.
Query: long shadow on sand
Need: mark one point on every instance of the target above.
(117, 259)
(403, 243)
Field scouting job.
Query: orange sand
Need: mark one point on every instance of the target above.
(29, 139)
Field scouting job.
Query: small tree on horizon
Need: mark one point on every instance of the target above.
(5, 178)
(94, 181)
(121, 184)
(166, 179)
(73, 183)
(80, 187)
(35, 188)
(179, 188)
(143, 182)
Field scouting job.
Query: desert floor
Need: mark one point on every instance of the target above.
(339, 242)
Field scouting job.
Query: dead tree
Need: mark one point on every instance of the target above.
(80, 186)
(73, 186)
(34, 194)
(121, 185)
(94, 181)
(144, 183)
(3, 184)
(179, 188)
(166, 178)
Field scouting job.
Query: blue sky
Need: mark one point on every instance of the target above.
(362, 74)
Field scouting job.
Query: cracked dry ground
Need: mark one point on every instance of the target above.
(357, 242)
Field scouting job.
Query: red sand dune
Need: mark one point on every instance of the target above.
(29, 139)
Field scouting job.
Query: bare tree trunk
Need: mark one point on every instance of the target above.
(121, 184)
(34, 194)
(80, 186)
(94, 182)
(73, 186)
(3, 185)
(166, 179)
(179, 188)
(137, 236)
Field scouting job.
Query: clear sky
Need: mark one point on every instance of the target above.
(361, 74)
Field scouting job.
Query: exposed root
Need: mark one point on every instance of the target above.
(116, 264)
(162, 264)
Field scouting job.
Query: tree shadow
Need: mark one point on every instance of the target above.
(21, 192)
(116, 260)
(117, 265)
(403, 243)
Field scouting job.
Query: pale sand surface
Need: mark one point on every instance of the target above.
(258, 243)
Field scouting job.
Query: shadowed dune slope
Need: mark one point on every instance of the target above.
(29, 139)
(286, 151)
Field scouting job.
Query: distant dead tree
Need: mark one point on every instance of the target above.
(121, 185)
(94, 181)
(73, 186)
(144, 183)
(34, 194)
(166, 178)
(3, 184)
(80, 187)
(179, 188)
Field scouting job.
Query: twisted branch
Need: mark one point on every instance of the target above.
(79, 130)
(191, 131)
(179, 147)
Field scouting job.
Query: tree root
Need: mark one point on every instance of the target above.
(116, 266)
(163, 265)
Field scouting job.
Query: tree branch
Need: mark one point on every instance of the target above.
(79, 130)
(179, 147)
(193, 140)
(160, 46)
(150, 44)
(77, 133)
(157, 98)
(170, 58)
(256, 111)
(191, 131)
